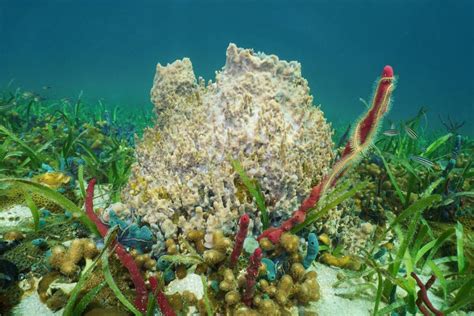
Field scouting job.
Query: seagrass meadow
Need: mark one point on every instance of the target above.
(233, 197)
(234, 158)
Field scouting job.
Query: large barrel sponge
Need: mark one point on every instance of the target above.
(259, 112)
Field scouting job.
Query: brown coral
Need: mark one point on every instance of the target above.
(67, 261)
(258, 111)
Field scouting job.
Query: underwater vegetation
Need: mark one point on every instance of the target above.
(230, 201)
(52, 141)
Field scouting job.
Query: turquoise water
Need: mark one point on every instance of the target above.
(109, 49)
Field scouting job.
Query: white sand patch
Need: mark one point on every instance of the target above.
(32, 305)
(192, 283)
(331, 304)
(14, 216)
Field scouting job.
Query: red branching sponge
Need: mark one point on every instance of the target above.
(141, 296)
(423, 296)
(379, 106)
(125, 258)
(251, 277)
(239, 239)
(360, 141)
(89, 206)
(163, 303)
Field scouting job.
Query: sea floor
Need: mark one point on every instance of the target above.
(402, 214)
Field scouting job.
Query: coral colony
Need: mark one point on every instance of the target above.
(259, 112)
(236, 203)
(244, 68)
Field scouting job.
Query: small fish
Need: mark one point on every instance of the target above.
(46, 87)
(391, 132)
(411, 133)
(38, 98)
(27, 95)
(423, 161)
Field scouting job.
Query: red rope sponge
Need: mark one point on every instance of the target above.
(141, 297)
(239, 239)
(163, 303)
(423, 296)
(361, 138)
(89, 206)
(251, 276)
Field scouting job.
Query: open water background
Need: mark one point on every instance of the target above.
(109, 49)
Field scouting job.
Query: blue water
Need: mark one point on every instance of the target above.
(109, 49)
